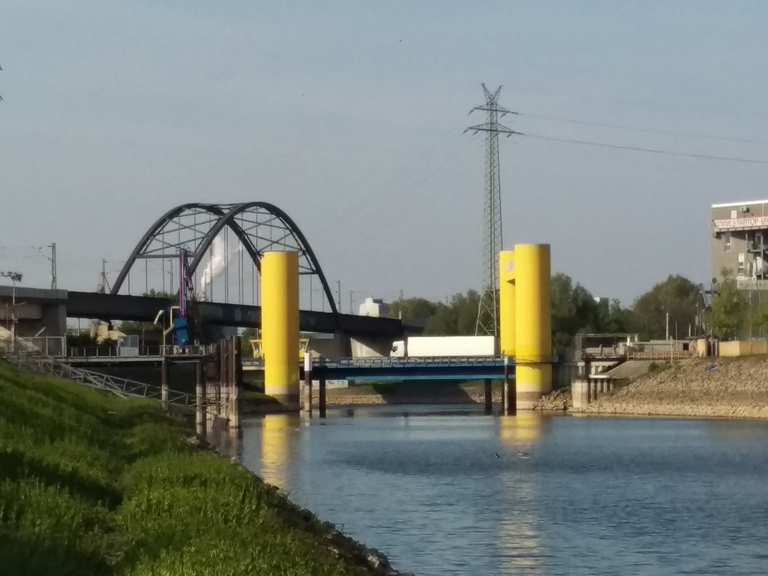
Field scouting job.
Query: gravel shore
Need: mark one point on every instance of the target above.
(723, 387)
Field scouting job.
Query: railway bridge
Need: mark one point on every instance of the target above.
(203, 260)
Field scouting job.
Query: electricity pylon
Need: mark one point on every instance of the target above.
(487, 310)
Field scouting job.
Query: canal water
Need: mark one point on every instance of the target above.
(456, 492)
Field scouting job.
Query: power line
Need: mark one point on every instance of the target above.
(648, 150)
(664, 131)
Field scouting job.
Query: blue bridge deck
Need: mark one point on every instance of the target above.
(456, 369)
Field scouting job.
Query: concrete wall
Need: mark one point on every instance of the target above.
(738, 348)
(36, 308)
(329, 345)
(370, 347)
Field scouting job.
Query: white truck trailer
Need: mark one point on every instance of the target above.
(443, 346)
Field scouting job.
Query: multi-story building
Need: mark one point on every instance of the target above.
(740, 243)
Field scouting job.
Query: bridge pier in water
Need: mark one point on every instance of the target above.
(280, 325)
(525, 323)
(488, 396)
(533, 332)
(164, 383)
(200, 401)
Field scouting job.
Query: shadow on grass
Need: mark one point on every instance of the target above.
(19, 556)
(16, 466)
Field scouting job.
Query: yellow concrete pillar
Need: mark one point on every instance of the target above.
(280, 325)
(507, 302)
(533, 338)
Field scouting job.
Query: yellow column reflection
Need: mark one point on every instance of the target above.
(276, 435)
(519, 541)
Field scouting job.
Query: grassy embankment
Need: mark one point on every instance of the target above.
(92, 484)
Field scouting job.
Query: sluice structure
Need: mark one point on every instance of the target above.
(525, 319)
(280, 325)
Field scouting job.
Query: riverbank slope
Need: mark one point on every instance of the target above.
(94, 484)
(722, 387)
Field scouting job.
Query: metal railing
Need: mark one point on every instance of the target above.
(672, 350)
(154, 350)
(387, 361)
(122, 387)
(35, 345)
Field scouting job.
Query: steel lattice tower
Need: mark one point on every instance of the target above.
(487, 310)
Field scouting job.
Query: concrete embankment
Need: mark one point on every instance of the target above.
(723, 387)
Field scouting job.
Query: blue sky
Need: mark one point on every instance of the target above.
(349, 115)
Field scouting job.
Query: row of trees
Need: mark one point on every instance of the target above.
(676, 305)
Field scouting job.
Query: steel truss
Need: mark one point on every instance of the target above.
(259, 226)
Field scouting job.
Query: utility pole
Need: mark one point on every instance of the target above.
(14, 277)
(103, 282)
(487, 310)
(52, 246)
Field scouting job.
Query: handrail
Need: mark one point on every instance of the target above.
(121, 387)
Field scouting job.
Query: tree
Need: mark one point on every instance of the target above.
(414, 311)
(612, 317)
(676, 296)
(455, 318)
(573, 310)
(728, 308)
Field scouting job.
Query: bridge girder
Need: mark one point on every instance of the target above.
(259, 226)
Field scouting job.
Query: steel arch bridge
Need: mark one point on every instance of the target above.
(195, 228)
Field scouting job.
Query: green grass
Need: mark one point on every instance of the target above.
(92, 484)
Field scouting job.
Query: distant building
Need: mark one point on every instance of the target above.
(740, 243)
(374, 307)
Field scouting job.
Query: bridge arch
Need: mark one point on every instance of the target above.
(193, 227)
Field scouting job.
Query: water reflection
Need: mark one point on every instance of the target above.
(523, 430)
(227, 441)
(463, 494)
(277, 447)
(519, 535)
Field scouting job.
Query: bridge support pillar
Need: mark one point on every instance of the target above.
(224, 378)
(280, 325)
(488, 396)
(580, 396)
(235, 375)
(164, 383)
(321, 407)
(307, 392)
(200, 399)
(533, 337)
(592, 393)
(510, 391)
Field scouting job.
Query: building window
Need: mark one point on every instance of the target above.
(734, 214)
(742, 264)
(727, 241)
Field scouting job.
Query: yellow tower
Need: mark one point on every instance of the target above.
(533, 332)
(280, 325)
(507, 302)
